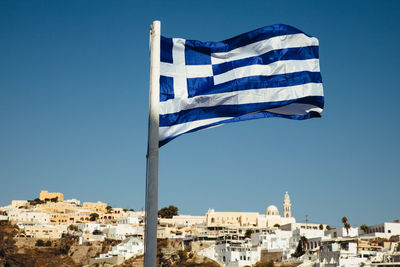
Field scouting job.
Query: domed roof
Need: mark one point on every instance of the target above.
(272, 210)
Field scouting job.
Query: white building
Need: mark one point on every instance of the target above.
(297, 233)
(189, 220)
(43, 231)
(73, 201)
(341, 253)
(17, 215)
(273, 240)
(86, 237)
(121, 231)
(138, 214)
(342, 232)
(183, 220)
(125, 250)
(314, 243)
(89, 228)
(237, 253)
(306, 226)
(389, 229)
(128, 220)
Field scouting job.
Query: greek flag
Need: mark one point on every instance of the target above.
(269, 72)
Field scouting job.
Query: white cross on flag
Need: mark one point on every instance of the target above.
(269, 72)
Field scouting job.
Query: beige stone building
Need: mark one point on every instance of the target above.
(231, 218)
(95, 206)
(270, 219)
(57, 207)
(45, 195)
(45, 231)
(80, 218)
(114, 214)
(183, 220)
(61, 218)
(117, 213)
(26, 216)
(19, 203)
(76, 217)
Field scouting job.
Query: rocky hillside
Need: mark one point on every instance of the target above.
(66, 252)
(33, 252)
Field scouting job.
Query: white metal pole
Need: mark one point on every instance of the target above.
(150, 248)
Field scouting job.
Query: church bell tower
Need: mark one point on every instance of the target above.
(286, 206)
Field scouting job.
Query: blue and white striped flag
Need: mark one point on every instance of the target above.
(270, 72)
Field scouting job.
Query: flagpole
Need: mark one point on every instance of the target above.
(150, 247)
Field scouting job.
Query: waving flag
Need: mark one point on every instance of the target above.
(269, 72)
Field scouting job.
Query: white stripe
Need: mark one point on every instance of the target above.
(291, 109)
(167, 69)
(279, 67)
(295, 109)
(242, 97)
(178, 56)
(170, 131)
(264, 46)
(197, 71)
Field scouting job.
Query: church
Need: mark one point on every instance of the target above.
(270, 219)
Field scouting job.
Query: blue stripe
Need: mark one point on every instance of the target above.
(251, 116)
(298, 53)
(196, 85)
(197, 55)
(166, 88)
(166, 49)
(201, 86)
(245, 38)
(202, 113)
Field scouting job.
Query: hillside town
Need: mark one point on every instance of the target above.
(233, 239)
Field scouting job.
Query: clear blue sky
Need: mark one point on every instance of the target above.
(74, 78)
